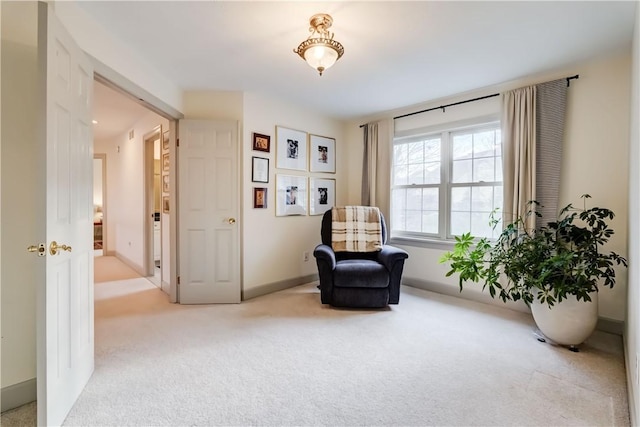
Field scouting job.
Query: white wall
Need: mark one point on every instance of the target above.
(632, 331)
(19, 124)
(594, 161)
(115, 53)
(125, 191)
(273, 246)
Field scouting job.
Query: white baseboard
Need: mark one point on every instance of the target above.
(19, 394)
(138, 268)
(270, 288)
(604, 324)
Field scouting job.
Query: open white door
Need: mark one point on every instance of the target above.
(65, 335)
(208, 199)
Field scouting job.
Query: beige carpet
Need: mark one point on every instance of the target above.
(110, 268)
(284, 359)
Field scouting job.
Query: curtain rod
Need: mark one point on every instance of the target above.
(442, 107)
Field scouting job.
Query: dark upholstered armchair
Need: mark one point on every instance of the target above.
(358, 279)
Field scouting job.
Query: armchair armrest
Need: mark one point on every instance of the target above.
(389, 255)
(325, 253)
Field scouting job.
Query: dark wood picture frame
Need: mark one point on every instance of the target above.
(259, 197)
(261, 142)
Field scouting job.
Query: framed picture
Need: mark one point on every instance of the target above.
(291, 149)
(259, 169)
(322, 195)
(291, 195)
(261, 142)
(259, 198)
(322, 154)
(165, 141)
(165, 204)
(165, 183)
(165, 162)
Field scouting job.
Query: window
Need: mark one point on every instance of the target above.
(447, 183)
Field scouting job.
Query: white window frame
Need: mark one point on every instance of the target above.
(444, 131)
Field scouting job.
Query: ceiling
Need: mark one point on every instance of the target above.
(396, 53)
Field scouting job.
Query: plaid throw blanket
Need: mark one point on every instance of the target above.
(356, 229)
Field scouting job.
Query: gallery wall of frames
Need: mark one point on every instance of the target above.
(303, 162)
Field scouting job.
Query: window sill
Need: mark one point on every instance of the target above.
(444, 245)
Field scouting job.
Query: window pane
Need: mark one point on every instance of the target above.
(461, 199)
(400, 173)
(460, 223)
(432, 173)
(482, 199)
(415, 152)
(414, 198)
(430, 222)
(483, 144)
(414, 221)
(430, 199)
(462, 171)
(480, 226)
(416, 173)
(483, 170)
(432, 150)
(400, 154)
(497, 197)
(462, 147)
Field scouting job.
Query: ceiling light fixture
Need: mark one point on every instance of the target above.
(320, 50)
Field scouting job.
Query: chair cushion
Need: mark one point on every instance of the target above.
(360, 273)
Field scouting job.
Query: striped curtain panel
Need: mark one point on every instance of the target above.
(370, 165)
(551, 106)
(532, 133)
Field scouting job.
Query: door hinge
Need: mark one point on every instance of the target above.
(178, 142)
(178, 280)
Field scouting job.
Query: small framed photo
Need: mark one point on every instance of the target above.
(322, 195)
(165, 183)
(165, 162)
(322, 154)
(165, 141)
(259, 197)
(261, 142)
(259, 169)
(165, 204)
(291, 149)
(291, 195)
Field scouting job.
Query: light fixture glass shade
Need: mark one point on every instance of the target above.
(320, 57)
(321, 51)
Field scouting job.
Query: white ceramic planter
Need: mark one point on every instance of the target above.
(569, 322)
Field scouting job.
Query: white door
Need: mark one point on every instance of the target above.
(65, 300)
(208, 200)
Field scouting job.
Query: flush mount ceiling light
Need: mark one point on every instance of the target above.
(320, 50)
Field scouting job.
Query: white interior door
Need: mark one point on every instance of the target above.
(208, 200)
(65, 336)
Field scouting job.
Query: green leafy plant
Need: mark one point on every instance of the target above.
(563, 258)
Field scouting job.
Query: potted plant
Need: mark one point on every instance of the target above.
(556, 269)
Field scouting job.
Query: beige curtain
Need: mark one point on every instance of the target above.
(370, 165)
(519, 152)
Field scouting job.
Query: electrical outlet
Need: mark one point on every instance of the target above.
(305, 256)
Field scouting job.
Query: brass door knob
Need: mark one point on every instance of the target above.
(54, 248)
(231, 221)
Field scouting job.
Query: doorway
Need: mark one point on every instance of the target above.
(153, 195)
(129, 134)
(99, 203)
